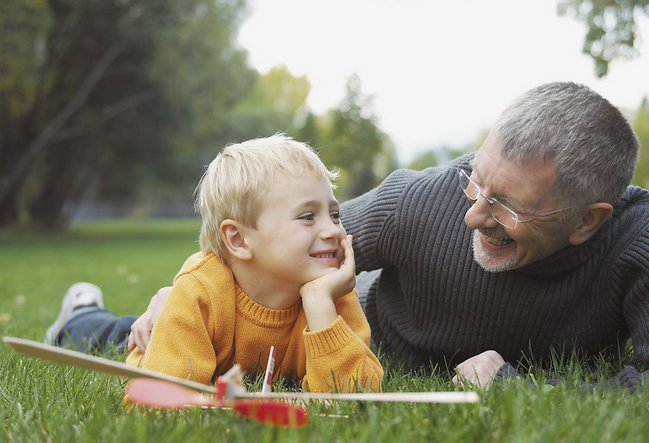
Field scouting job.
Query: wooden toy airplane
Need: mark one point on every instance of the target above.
(159, 390)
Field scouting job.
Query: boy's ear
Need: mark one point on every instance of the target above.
(590, 221)
(234, 240)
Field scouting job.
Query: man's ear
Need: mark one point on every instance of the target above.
(232, 234)
(590, 221)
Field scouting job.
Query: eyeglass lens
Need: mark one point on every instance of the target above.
(499, 212)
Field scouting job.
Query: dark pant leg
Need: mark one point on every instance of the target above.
(95, 330)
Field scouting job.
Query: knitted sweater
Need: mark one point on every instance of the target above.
(434, 304)
(208, 323)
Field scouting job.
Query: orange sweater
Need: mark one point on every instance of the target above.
(209, 323)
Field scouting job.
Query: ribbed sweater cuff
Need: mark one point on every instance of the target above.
(328, 340)
(628, 378)
(507, 372)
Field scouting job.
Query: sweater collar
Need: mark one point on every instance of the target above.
(262, 315)
(568, 258)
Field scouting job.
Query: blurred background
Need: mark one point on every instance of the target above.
(111, 108)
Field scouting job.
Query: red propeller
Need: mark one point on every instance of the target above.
(162, 394)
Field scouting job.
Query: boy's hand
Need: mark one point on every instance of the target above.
(340, 281)
(318, 295)
(141, 329)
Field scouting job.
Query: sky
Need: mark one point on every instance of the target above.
(440, 72)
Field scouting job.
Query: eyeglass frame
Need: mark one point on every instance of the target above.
(492, 201)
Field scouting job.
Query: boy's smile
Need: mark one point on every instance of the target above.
(298, 234)
(327, 257)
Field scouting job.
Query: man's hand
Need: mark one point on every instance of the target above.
(479, 370)
(141, 329)
(318, 295)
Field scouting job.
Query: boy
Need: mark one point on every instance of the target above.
(275, 268)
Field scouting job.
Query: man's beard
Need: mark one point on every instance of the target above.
(483, 258)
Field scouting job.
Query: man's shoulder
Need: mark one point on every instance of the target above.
(633, 208)
(634, 197)
(629, 226)
(440, 175)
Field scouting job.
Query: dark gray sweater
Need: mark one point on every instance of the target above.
(434, 304)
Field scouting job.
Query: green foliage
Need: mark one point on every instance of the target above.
(311, 131)
(200, 78)
(274, 104)
(42, 401)
(641, 128)
(424, 160)
(199, 69)
(126, 101)
(278, 90)
(612, 30)
(354, 144)
(115, 94)
(444, 154)
(21, 57)
(440, 156)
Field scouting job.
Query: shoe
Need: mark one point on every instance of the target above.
(79, 295)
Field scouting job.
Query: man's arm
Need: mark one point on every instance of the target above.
(489, 367)
(370, 219)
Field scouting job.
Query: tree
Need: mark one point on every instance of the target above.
(435, 157)
(120, 88)
(276, 103)
(311, 132)
(354, 143)
(19, 84)
(641, 128)
(612, 30)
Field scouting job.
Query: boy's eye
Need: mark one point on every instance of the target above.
(307, 217)
(335, 216)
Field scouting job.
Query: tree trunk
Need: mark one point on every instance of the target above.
(16, 170)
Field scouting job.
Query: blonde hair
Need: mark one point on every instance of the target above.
(235, 182)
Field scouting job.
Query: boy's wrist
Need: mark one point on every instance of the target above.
(317, 301)
(308, 292)
(319, 308)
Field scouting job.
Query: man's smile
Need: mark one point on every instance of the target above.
(500, 240)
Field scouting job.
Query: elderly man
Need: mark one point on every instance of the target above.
(533, 245)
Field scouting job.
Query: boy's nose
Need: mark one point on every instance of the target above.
(479, 215)
(332, 230)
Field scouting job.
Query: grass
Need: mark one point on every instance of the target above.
(40, 401)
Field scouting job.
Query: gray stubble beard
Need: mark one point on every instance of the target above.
(482, 257)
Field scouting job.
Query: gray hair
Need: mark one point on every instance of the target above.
(592, 143)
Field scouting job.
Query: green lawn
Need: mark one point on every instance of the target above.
(40, 401)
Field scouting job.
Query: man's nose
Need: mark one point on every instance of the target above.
(479, 215)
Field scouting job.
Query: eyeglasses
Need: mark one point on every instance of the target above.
(501, 213)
